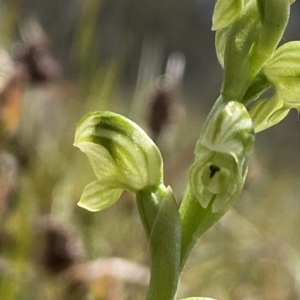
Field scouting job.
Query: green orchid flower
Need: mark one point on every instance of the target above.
(125, 158)
(220, 166)
(122, 155)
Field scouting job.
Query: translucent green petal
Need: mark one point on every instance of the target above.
(289, 92)
(228, 130)
(98, 196)
(119, 151)
(285, 63)
(268, 112)
(104, 168)
(226, 12)
(283, 71)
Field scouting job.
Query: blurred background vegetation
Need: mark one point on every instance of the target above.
(153, 61)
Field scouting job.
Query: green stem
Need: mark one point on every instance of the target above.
(195, 220)
(161, 220)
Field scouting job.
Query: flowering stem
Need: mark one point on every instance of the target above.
(195, 220)
(161, 220)
(124, 157)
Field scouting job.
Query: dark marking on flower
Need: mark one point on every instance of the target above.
(213, 170)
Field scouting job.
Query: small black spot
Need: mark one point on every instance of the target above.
(213, 170)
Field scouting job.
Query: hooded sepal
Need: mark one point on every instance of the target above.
(122, 156)
(220, 166)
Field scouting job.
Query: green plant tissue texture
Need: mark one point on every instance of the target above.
(221, 156)
(228, 130)
(238, 42)
(259, 85)
(268, 112)
(199, 298)
(226, 12)
(283, 71)
(122, 156)
(220, 44)
(95, 191)
(274, 16)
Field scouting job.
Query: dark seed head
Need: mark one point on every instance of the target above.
(61, 247)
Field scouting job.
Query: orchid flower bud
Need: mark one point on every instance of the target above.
(122, 156)
(218, 173)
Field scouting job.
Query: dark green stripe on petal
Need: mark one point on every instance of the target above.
(120, 152)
